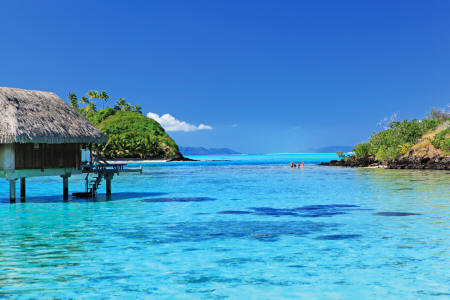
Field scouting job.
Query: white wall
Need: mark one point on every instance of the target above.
(6, 157)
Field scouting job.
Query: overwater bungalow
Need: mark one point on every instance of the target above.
(41, 135)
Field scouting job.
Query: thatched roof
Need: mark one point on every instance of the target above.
(42, 117)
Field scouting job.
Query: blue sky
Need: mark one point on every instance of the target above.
(266, 76)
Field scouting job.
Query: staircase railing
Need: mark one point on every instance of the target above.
(100, 168)
(94, 184)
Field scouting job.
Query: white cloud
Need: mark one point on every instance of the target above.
(169, 123)
(204, 127)
(386, 121)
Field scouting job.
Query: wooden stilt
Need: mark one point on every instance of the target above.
(65, 187)
(22, 189)
(12, 190)
(108, 185)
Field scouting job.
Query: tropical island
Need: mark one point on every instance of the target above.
(415, 144)
(131, 135)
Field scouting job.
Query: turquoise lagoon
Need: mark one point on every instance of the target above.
(239, 227)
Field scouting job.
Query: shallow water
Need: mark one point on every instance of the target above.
(249, 227)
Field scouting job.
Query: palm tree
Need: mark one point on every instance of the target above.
(73, 100)
(137, 109)
(91, 107)
(127, 107)
(104, 96)
(92, 94)
(84, 100)
(121, 103)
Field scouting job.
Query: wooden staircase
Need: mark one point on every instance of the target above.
(93, 183)
(100, 169)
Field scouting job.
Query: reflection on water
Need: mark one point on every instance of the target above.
(100, 198)
(394, 214)
(233, 230)
(180, 199)
(338, 237)
(406, 180)
(408, 190)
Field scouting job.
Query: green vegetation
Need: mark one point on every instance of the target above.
(362, 149)
(341, 155)
(130, 134)
(391, 143)
(442, 141)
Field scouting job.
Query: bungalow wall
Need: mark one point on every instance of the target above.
(47, 156)
(6, 157)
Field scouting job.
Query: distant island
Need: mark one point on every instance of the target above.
(206, 151)
(415, 144)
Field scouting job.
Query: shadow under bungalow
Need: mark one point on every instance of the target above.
(41, 135)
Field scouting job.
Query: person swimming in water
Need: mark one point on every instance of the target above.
(292, 165)
(298, 165)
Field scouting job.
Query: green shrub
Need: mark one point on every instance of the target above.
(389, 144)
(404, 147)
(387, 153)
(341, 155)
(442, 141)
(133, 135)
(362, 149)
(99, 116)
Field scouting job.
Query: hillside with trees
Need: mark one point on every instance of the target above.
(400, 137)
(407, 144)
(130, 133)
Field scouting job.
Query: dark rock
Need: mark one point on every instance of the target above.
(352, 161)
(410, 162)
(429, 163)
(182, 158)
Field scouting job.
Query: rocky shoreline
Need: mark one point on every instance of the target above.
(182, 158)
(410, 162)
